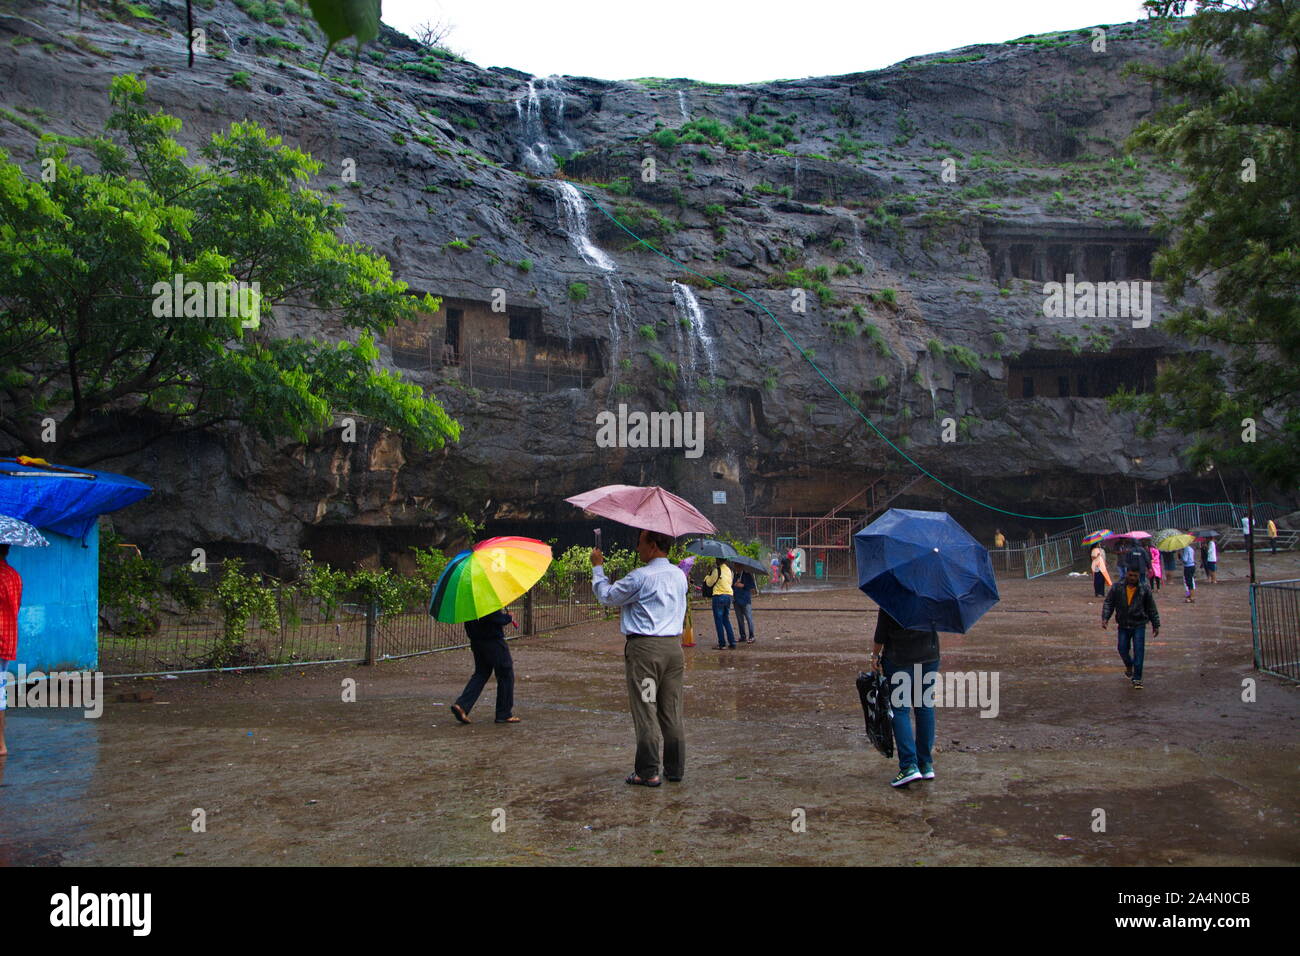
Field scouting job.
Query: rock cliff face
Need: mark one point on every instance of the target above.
(920, 209)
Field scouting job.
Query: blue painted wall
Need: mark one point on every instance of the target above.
(58, 624)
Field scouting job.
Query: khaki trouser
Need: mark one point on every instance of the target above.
(654, 668)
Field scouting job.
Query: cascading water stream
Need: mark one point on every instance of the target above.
(532, 132)
(688, 307)
(573, 220)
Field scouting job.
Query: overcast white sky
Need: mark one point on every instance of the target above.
(734, 41)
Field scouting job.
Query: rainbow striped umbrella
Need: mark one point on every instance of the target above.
(1096, 537)
(488, 577)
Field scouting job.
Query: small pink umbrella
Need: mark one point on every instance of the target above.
(1131, 535)
(650, 508)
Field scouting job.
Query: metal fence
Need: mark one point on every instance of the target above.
(805, 533)
(1275, 627)
(1060, 552)
(1151, 517)
(307, 631)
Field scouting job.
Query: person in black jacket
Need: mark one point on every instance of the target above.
(1138, 558)
(1134, 606)
(487, 641)
(744, 586)
(906, 656)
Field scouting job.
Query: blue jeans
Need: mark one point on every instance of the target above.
(722, 618)
(914, 749)
(745, 616)
(1137, 636)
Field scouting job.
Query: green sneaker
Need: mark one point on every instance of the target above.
(927, 771)
(905, 777)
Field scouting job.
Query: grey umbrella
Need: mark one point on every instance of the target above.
(713, 548)
(20, 534)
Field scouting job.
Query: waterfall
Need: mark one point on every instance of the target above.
(530, 110)
(573, 219)
(572, 208)
(684, 345)
(688, 307)
(796, 177)
(552, 90)
(681, 106)
(860, 250)
(532, 132)
(858, 247)
(619, 314)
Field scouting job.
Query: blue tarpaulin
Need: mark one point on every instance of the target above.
(58, 622)
(57, 500)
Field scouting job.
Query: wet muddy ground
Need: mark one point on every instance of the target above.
(1185, 771)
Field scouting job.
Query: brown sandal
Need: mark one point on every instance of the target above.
(509, 720)
(459, 714)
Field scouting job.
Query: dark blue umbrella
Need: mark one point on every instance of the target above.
(925, 570)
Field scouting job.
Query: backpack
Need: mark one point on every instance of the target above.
(707, 589)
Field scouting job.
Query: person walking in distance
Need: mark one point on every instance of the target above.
(718, 581)
(1187, 557)
(1139, 560)
(1157, 568)
(1134, 607)
(744, 586)
(653, 602)
(787, 570)
(1212, 561)
(487, 642)
(1100, 573)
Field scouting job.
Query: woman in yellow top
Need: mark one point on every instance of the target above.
(1100, 574)
(719, 580)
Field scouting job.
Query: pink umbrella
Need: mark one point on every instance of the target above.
(650, 508)
(1131, 535)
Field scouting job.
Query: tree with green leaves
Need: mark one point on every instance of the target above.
(97, 353)
(1232, 126)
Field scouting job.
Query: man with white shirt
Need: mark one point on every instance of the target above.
(653, 602)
